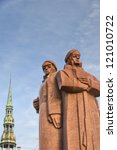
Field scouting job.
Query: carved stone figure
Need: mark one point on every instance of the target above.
(48, 104)
(81, 120)
(36, 104)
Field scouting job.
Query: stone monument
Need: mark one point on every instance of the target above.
(81, 120)
(48, 104)
(68, 110)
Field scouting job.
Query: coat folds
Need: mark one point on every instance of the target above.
(81, 121)
(50, 103)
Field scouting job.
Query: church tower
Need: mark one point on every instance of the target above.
(8, 140)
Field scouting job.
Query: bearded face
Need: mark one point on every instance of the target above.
(74, 59)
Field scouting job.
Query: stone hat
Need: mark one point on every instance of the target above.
(70, 52)
(51, 62)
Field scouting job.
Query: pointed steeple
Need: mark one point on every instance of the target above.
(9, 99)
(8, 139)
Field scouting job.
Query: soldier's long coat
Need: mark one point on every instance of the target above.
(81, 121)
(50, 103)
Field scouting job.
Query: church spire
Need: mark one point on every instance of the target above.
(8, 140)
(9, 99)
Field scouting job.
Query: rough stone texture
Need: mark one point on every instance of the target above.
(36, 104)
(49, 105)
(81, 121)
(68, 110)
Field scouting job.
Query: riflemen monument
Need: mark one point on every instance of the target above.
(68, 110)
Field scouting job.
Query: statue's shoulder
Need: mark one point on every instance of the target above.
(66, 70)
(63, 72)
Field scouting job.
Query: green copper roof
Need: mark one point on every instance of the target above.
(8, 137)
(9, 99)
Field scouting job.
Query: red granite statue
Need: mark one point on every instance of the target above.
(81, 120)
(48, 104)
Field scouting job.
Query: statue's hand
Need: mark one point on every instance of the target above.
(56, 120)
(85, 81)
(36, 104)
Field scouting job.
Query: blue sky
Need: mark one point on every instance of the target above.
(32, 31)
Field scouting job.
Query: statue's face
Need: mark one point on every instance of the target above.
(75, 58)
(48, 68)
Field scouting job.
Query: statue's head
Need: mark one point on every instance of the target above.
(73, 57)
(49, 67)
